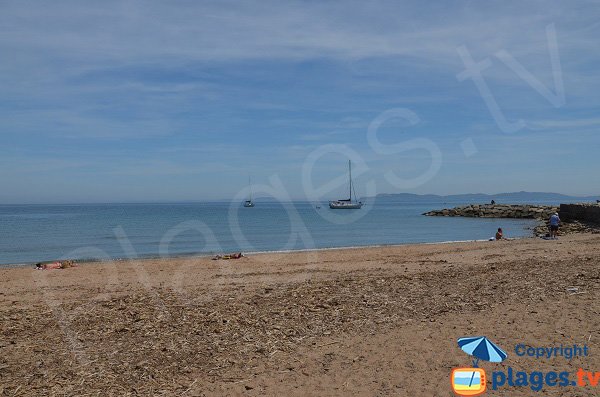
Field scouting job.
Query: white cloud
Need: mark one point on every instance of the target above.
(150, 69)
(220, 31)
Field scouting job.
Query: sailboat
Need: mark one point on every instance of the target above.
(347, 204)
(248, 203)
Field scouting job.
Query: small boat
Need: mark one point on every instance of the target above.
(347, 204)
(249, 203)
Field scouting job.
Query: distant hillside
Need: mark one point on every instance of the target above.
(515, 197)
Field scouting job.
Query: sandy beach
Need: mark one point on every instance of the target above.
(369, 322)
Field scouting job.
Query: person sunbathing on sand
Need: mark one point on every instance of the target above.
(48, 266)
(54, 265)
(237, 255)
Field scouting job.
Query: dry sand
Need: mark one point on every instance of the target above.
(373, 321)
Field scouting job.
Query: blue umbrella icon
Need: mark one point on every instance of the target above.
(481, 348)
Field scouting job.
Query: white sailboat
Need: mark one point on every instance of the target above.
(347, 204)
(249, 203)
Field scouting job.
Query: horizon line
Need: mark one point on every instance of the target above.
(223, 200)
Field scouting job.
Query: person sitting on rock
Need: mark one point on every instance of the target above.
(554, 222)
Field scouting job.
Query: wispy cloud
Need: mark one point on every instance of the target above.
(166, 89)
(122, 33)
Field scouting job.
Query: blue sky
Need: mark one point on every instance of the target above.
(183, 100)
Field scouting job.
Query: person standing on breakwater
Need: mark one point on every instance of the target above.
(554, 222)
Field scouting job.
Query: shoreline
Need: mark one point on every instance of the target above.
(142, 258)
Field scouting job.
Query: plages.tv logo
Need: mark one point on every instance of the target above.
(471, 381)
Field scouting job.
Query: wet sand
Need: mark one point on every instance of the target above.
(371, 321)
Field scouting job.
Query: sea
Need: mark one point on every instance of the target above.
(36, 233)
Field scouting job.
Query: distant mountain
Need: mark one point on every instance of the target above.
(515, 197)
(265, 199)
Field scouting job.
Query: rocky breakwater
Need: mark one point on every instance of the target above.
(570, 227)
(498, 211)
(575, 218)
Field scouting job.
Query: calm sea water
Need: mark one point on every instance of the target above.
(32, 233)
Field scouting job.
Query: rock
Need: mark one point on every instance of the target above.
(497, 211)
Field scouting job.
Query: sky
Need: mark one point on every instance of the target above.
(143, 101)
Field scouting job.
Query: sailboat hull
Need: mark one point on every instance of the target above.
(347, 204)
(344, 205)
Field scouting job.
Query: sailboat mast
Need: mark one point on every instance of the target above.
(350, 175)
(250, 185)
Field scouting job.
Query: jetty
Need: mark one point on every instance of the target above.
(498, 211)
(575, 218)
